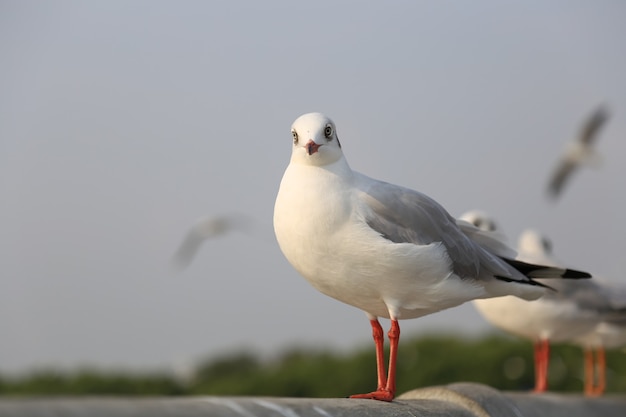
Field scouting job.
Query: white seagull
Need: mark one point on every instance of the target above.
(387, 250)
(576, 312)
(578, 152)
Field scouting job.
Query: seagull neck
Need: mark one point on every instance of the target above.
(341, 168)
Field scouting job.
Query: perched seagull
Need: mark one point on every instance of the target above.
(568, 314)
(387, 250)
(203, 229)
(578, 152)
(608, 334)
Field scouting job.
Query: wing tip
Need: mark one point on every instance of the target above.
(575, 274)
(543, 271)
(530, 281)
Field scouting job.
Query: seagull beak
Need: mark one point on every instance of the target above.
(311, 147)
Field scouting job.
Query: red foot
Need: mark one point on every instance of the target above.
(380, 395)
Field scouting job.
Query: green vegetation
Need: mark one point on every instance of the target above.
(499, 361)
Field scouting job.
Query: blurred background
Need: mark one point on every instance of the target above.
(123, 122)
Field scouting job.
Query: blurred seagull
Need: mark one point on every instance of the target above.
(578, 152)
(574, 313)
(387, 250)
(608, 334)
(203, 229)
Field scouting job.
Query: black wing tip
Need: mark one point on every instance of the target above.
(529, 282)
(535, 271)
(574, 274)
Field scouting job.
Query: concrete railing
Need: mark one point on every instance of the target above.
(456, 400)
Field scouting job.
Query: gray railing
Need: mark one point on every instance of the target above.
(456, 400)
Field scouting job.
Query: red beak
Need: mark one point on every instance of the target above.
(311, 147)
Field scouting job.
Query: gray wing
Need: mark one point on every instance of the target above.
(589, 295)
(561, 174)
(490, 239)
(616, 295)
(402, 215)
(591, 128)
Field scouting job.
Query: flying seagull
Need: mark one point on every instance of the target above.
(387, 250)
(578, 152)
(205, 228)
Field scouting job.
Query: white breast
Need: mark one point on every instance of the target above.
(320, 229)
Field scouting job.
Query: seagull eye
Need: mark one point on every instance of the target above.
(294, 134)
(328, 132)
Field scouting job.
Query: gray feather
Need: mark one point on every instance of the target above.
(402, 215)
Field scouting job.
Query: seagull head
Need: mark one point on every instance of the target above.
(533, 242)
(481, 220)
(315, 140)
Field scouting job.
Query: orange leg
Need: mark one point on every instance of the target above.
(589, 373)
(542, 359)
(394, 339)
(386, 385)
(379, 340)
(595, 372)
(601, 371)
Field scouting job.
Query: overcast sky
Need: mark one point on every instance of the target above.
(122, 122)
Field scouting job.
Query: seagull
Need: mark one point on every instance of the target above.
(608, 334)
(578, 152)
(388, 250)
(204, 228)
(569, 314)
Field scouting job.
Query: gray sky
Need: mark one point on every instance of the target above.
(121, 123)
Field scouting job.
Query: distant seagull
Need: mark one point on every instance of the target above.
(574, 313)
(578, 152)
(203, 229)
(387, 250)
(484, 223)
(608, 334)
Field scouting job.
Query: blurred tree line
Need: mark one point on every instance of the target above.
(496, 360)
